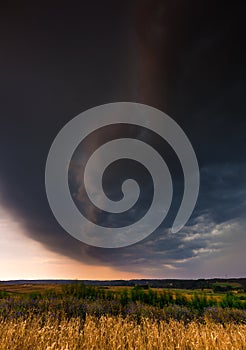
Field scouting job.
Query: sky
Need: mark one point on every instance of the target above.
(186, 58)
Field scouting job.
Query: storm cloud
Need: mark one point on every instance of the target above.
(186, 58)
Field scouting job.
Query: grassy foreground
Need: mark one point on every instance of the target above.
(77, 316)
(116, 333)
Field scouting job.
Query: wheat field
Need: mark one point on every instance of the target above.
(114, 333)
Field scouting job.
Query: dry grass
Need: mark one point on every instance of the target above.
(116, 333)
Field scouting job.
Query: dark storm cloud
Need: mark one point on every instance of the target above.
(184, 57)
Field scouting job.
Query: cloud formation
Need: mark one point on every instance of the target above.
(185, 58)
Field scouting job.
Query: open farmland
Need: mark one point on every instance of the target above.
(78, 316)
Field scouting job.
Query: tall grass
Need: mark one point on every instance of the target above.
(114, 333)
(85, 317)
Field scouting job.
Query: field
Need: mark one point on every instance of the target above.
(77, 316)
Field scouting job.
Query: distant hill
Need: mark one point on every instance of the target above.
(229, 283)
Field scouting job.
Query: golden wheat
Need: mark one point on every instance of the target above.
(117, 333)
